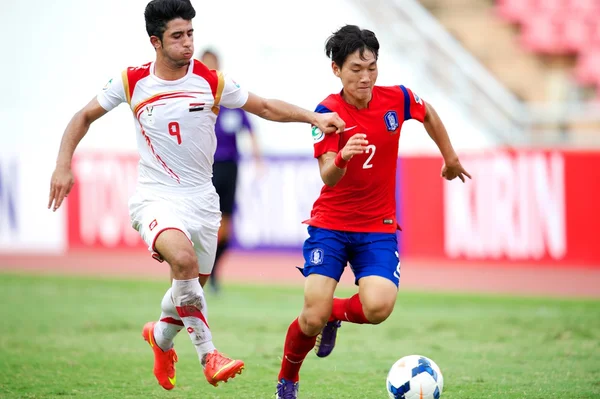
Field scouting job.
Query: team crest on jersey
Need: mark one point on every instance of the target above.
(316, 256)
(317, 134)
(391, 121)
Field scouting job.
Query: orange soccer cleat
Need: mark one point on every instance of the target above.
(219, 368)
(164, 362)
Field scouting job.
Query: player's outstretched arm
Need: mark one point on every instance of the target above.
(437, 131)
(62, 178)
(280, 111)
(333, 165)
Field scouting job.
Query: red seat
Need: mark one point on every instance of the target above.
(583, 7)
(514, 10)
(575, 35)
(540, 34)
(550, 7)
(557, 27)
(594, 24)
(587, 71)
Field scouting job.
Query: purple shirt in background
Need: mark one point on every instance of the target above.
(230, 122)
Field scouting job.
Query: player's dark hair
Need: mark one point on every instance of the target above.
(158, 13)
(347, 40)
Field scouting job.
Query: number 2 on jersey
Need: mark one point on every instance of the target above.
(370, 149)
(175, 131)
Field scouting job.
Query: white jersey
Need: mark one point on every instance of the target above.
(175, 123)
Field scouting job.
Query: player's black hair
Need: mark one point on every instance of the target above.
(347, 40)
(158, 13)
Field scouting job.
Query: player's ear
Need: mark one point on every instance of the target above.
(156, 43)
(336, 69)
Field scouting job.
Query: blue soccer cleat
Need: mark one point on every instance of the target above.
(287, 389)
(326, 339)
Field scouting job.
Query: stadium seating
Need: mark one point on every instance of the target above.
(560, 27)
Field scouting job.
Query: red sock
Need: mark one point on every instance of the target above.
(348, 309)
(297, 346)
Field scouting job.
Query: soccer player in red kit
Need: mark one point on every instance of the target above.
(354, 219)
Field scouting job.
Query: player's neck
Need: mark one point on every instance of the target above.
(359, 104)
(166, 70)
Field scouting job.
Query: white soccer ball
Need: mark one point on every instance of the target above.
(415, 377)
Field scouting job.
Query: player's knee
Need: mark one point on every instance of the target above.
(379, 309)
(184, 263)
(312, 321)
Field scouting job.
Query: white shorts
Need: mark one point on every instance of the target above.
(197, 216)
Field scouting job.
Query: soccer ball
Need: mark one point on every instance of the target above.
(415, 377)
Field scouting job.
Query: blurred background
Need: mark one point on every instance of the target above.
(517, 84)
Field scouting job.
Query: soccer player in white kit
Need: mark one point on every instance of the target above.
(175, 101)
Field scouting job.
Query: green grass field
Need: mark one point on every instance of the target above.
(73, 337)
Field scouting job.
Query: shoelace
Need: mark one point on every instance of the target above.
(173, 356)
(217, 360)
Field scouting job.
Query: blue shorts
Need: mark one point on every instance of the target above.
(327, 252)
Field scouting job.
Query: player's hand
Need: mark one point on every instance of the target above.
(330, 123)
(356, 145)
(454, 169)
(60, 186)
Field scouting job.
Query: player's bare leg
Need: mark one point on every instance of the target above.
(190, 304)
(203, 279)
(302, 333)
(372, 305)
(378, 297)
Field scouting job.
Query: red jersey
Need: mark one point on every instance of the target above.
(364, 200)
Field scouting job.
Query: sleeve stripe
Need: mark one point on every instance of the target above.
(407, 115)
(220, 86)
(321, 109)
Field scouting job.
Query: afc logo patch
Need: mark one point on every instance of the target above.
(316, 256)
(391, 121)
(417, 98)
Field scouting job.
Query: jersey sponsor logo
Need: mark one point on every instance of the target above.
(391, 121)
(417, 98)
(316, 256)
(349, 128)
(317, 134)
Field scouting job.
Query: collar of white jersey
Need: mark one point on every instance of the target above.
(189, 73)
